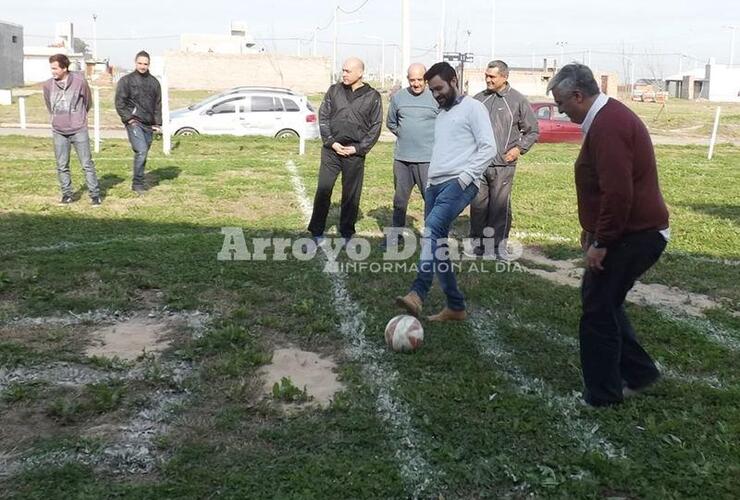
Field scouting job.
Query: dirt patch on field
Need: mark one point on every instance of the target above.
(304, 370)
(567, 272)
(130, 339)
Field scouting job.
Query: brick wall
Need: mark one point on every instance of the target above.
(221, 71)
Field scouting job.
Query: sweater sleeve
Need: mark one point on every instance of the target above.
(613, 160)
(375, 116)
(392, 120)
(47, 97)
(325, 111)
(86, 95)
(480, 125)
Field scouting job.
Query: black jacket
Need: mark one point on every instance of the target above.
(351, 118)
(139, 97)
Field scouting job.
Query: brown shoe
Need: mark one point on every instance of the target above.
(411, 302)
(448, 314)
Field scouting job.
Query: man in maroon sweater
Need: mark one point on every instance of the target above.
(625, 230)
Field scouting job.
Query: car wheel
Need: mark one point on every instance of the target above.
(286, 133)
(186, 131)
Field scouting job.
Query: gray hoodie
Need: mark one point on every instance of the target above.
(514, 123)
(68, 102)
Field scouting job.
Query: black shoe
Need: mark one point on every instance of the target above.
(66, 200)
(95, 201)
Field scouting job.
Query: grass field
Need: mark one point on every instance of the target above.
(486, 409)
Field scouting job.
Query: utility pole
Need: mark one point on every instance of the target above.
(95, 37)
(493, 30)
(315, 35)
(441, 48)
(732, 43)
(334, 51)
(405, 35)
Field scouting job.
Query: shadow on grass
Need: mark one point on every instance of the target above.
(155, 177)
(60, 263)
(727, 212)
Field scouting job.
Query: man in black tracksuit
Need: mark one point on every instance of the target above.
(350, 118)
(139, 104)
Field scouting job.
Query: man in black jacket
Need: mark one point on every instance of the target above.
(139, 104)
(350, 118)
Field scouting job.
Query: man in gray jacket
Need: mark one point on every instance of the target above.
(515, 130)
(411, 116)
(67, 98)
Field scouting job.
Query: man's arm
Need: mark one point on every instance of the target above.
(158, 104)
(392, 120)
(325, 112)
(528, 127)
(613, 161)
(122, 92)
(47, 98)
(86, 95)
(480, 124)
(376, 123)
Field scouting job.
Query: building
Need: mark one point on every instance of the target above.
(714, 82)
(36, 59)
(238, 41)
(11, 55)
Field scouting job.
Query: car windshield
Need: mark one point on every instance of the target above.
(205, 101)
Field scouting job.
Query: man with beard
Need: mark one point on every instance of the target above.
(463, 148)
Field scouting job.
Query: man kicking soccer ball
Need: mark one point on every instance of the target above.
(463, 148)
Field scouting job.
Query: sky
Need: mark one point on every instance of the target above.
(650, 34)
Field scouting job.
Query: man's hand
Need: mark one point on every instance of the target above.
(595, 258)
(586, 240)
(339, 149)
(156, 128)
(131, 121)
(512, 154)
(350, 150)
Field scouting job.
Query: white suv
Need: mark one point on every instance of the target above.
(267, 111)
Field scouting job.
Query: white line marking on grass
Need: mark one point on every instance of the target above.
(572, 423)
(69, 245)
(564, 340)
(418, 475)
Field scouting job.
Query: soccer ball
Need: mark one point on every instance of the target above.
(404, 333)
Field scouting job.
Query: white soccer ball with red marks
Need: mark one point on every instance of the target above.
(404, 333)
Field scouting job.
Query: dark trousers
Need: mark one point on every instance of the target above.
(406, 175)
(492, 206)
(140, 136)
(352, 169)
(610, 352)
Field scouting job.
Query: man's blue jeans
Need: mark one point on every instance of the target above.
(62, 147)
(140, 136)
(443, 203)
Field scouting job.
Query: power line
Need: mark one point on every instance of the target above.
(352, 11)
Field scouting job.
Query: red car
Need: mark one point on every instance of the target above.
(555, 126)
